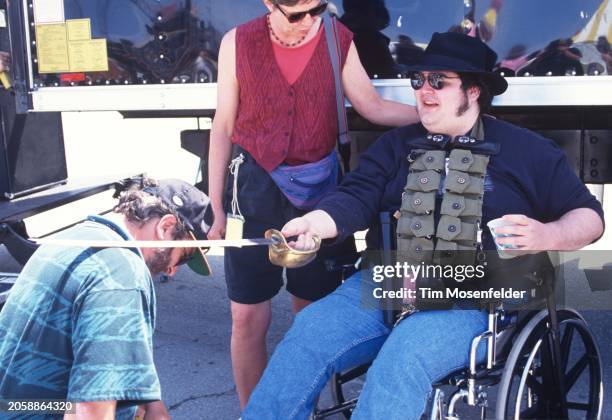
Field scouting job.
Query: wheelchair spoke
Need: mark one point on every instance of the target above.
(575, 372)
(531, 413)
(578, 406)
(338, 381)
(535, 386)
(566, 343)
(353, 373)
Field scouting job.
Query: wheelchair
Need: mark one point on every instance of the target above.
(541, 363)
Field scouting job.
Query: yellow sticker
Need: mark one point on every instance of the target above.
(88, 55)
(52, 48)
(234, 227)
(78, 29)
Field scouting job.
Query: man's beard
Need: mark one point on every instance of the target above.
(465, 105)
(159, 261)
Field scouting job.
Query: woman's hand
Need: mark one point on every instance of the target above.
(217, 230)
(5, 61)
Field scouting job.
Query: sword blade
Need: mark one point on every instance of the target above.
(209, 243)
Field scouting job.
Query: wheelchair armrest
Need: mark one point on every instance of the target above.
(535, 264)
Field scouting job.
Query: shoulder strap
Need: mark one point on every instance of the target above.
(331, 35)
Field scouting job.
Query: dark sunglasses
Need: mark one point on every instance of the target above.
(436, 80)
(298, 16)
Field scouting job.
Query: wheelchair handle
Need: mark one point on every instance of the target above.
(471, 394)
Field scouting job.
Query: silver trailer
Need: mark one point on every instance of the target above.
(158, 58)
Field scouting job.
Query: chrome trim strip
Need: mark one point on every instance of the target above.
(522, 91)
(26, 34)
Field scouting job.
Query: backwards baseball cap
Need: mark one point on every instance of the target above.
(193, 209)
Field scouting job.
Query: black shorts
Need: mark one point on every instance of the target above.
(250, 276)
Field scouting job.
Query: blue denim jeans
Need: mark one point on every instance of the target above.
(337, 333)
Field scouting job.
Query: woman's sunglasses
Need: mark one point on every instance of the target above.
(298, 16)
(436, 80)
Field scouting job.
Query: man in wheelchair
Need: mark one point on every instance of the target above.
(443, 178)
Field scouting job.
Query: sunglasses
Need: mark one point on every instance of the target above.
(436, 80)
(298, 16)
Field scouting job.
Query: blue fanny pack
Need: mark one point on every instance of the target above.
(305, 185)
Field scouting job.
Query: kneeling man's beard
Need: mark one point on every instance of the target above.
(159, 261)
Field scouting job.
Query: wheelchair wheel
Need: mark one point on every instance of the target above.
(338, 394)
(345, 388)
(339, 407)
(526, 387)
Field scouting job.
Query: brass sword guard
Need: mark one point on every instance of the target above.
(281, 254)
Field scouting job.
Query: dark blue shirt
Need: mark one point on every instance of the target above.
(529, 175)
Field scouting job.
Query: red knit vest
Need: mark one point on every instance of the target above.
(278, 122)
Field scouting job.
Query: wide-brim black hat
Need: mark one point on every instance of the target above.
(460, 53)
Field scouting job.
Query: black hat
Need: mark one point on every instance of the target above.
(193, 208)
(452, 51)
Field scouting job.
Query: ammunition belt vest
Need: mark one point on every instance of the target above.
(459, 174)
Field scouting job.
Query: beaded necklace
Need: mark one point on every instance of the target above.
(280, 41)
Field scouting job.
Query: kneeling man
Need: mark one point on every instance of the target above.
(78, 324)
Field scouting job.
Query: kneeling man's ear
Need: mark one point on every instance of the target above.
(166, 226)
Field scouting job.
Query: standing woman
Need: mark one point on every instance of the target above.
(277, 103)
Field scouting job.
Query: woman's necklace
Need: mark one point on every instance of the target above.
(280, 41)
